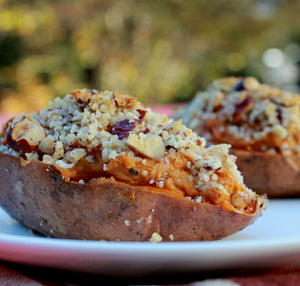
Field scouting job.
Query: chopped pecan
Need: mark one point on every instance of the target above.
(25, 135)
(149, 145)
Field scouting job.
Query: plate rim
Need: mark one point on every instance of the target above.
(43, 251)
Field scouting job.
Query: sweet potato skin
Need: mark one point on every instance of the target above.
(103, 209)
(273, 174)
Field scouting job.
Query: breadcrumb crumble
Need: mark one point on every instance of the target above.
(246, 114)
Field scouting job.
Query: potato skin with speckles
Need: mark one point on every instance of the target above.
(273, 174)
(103, 209)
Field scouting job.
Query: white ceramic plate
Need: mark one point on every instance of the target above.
(274, 240)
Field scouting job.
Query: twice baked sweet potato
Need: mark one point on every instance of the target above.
(100, 166)
(262, 125)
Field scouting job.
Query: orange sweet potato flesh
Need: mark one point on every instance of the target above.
(273, 174)
(104, 209)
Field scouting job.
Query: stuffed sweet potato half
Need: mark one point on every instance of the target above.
(261, 123)
(99, 166)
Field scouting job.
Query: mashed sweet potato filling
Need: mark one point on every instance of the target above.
(171, 175)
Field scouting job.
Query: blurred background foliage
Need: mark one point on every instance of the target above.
(158, 51)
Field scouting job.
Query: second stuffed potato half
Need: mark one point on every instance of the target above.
(262, 125)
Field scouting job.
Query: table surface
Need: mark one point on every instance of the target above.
(16, 274)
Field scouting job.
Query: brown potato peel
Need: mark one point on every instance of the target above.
(274, 174)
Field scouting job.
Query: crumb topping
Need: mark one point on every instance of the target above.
(246, 114)
(90, 134)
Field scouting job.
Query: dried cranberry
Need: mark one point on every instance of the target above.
(240, 85)
(242, 107)
(142, 113)
(145, 131)
(123, 128)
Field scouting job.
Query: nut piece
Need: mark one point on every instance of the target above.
(251, 83)
(25, 135)
(149, 145)
(155, 237)
(31, 131)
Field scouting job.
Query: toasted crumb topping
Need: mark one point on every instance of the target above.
(90, 134)
(247, 115)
